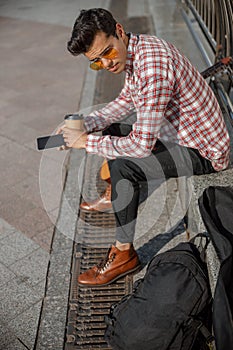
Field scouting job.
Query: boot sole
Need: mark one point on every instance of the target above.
(110, 210)
(136, 269)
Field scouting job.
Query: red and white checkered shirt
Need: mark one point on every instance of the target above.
(172, 101)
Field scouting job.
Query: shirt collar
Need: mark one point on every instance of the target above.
(133, 40)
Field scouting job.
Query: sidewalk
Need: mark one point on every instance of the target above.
(41, 83)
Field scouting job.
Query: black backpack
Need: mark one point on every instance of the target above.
(170, 308)
(216, 208)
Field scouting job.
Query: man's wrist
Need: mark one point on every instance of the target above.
(81, 142)
(84, 140)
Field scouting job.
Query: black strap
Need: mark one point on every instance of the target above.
(200, 328)
(201, 241)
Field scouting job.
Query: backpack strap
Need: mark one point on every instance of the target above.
(201, 241)
(209, 338)
(201, 329)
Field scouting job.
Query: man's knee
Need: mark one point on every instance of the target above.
(119, 167)
(122, 168)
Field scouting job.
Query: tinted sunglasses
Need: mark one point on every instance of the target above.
(109, 54)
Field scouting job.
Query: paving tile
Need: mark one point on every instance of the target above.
(31, 161)
(33, 267)
(52, 171)
(7, 336)
(53, 116)
(29, 189)
(67, 220)
(23, 114)
(7, 93)
(19, 154)
(11, 129)
(25, 325)
(15, 247)
(9, 339)
(40, 288)
(54, 215)
(4, 104)
(16, 297)
(6, 194)
(16, 344)
(44, 238)
(6, 229)
(12, 151)
(33, 222)
(5, 275)
(15, 208)
(51, 187)
(4, 226)
(53, 323)
(4, 162)
(12, 174)
(59, 283)
(4, 140)
(61, 243)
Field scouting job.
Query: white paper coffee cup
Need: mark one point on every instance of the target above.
(74, 121)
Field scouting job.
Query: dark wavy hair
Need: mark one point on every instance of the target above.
(86, 26)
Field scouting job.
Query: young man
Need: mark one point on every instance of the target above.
(179, 128)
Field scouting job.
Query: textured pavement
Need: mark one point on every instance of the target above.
(40, 83)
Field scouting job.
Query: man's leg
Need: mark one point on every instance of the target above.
(168, 160)
(103, 203)
(128, 175)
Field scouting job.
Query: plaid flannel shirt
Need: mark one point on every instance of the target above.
(172, 101)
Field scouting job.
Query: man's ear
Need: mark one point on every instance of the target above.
(120, 31)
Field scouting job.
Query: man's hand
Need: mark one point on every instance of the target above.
(74, 138)
(61, 148)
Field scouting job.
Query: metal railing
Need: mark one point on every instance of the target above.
(215, 18)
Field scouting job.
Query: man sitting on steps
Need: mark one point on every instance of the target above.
(179, 128)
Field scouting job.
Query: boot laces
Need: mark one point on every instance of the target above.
(107, 192)
(104, 263)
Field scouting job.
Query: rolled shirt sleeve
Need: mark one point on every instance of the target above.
(113, 112)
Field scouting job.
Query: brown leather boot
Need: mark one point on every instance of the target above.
(101, 204)
(116, 264)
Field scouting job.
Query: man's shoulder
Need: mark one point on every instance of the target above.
(151, 45)
(149, 52)
(150, 40)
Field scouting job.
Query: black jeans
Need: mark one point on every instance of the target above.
(128, 175)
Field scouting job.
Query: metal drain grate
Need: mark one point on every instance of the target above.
(89, 305)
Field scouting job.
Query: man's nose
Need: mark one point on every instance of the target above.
(107, 62)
